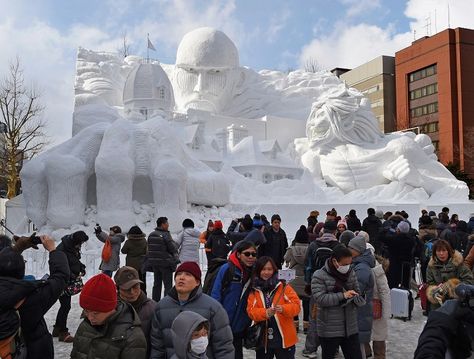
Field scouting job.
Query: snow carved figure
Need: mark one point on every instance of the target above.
(347, 150)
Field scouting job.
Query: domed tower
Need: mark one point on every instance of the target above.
(148, 91)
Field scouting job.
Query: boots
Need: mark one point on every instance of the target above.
(379, 349)
(305, 326)
(297, 325)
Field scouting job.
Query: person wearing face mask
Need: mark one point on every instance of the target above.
(336, 292)
(190, 333)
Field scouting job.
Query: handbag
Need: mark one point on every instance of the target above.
(107, 251)
(74, 286)
(253, 335)
(376, 308)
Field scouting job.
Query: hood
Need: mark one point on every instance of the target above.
(378, 270)
(255, 236)
(193, 232)
(233, 258)
(365, 257)
(299, 251)
(327, 237)
(182, 329)
(68, 242)
(136, 237)
(456, 260)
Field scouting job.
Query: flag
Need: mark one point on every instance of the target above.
(150, 45)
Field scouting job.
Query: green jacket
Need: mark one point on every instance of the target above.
(121, 337)
(135, 248)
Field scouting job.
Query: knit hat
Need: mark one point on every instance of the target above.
(79, 237)
(346, 236)
(358, 244)
(343, 222)
(403, 227)
(11, 263)
(301, 235)
(379, 214)
(126, 277)
(218, 224)
(116, 229)
(191, 268)
(135, 230)
(276, 217)
(365, 235)
(188, 223)
(99, 294)
(330, 225)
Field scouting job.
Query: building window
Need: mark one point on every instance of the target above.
(290, 177)
(435, 145)
(278, 177)
(267, 178)
(247, 175)
(429, 127)
(424, 91)
(424, 110)
(161, 92)
(421, 74)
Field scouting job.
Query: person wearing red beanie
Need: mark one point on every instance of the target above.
(217, 245)
(106, 319)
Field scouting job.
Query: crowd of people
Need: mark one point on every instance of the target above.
(344, 271)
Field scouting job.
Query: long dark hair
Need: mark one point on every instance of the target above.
(260, 263)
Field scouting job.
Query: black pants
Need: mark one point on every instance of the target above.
(63, 312)
(162, 275)
(238, 342)
(350, 347)
(142, 276)
(280, 353)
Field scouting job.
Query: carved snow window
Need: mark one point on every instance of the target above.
(247, 175)
(290, 177)
(161, 92)
(267, 178)
(278, 177)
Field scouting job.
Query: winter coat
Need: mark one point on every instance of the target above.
(188, 245)
(470, 225)
(400, 247)
(73, 255)
(162, 250)
(294, 257)
(116, 240)
(234, 297)
(469, 261)
(381, 292)
(121, 337)
(459, 239)
(135, 248)
(362, 266)
(327, 240)
(275, 246)
(145, 307)
(235, 237)
(40, 297)
(353, 224)
(181, 332)
(373, 226)
(336, 317)
(427, 230)
(168, 308)
(217, 245)
(290, 303)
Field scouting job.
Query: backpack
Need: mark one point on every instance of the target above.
(107, 251)
(211, 275)
(320, 257)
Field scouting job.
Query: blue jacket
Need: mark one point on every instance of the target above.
(232, 298)
(362, 266)
(470, 225)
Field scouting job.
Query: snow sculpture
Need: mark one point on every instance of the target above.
(349, 152)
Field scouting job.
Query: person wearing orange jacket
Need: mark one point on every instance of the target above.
(273, 304)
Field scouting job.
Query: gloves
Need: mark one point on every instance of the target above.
(97, 230)
(307, 289)
(23, 243)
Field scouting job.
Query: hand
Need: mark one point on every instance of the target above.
(271, 312)
(48, 243)
(403, 171)
(350, 293)
(278, 309)
(307, 289)
(98, 230)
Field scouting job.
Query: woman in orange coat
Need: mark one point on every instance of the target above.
(275, 304)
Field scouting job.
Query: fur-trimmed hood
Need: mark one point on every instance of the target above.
(457, 259)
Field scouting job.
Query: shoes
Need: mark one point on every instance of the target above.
(308, 354)
(66, 337)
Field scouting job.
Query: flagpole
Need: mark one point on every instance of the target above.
(147, 49)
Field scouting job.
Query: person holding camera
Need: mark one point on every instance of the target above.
(116, 237)
(24, 303)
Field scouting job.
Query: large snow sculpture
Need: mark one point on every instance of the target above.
(349, 152)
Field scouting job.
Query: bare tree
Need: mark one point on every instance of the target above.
(23, 126)
(124, 50)
(312, 65)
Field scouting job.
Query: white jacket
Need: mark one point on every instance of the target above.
(188, 245)
(382, 292)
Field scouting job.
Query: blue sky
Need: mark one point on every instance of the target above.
(270, 34)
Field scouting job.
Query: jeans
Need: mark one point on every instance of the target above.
(350, 347)
(61, 317)
(278, 353)
(162, 275)
(108, 272)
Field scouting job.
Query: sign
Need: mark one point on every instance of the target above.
(286, 274)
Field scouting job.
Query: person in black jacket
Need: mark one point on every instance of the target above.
(276, 242)
(217, 244)
(33, 298)
(244, 225)
(373, 226)
(71, 245)
(353, 222)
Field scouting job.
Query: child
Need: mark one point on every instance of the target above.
(190, 336)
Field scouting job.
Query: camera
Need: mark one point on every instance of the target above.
(35, 240)
(465, 293)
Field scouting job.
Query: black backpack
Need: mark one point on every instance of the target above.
(212, 270)
(321, 255)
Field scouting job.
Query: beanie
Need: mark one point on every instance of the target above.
(11, 263)
(403, 227)
(218, 224)
(365, 235)
(188, 223)
(99, 294)
(79, 237)
(135, 230)
(191, 268)
(343, 222)
(379, 214)
(358, 244)
(276, 217)
(346, 236)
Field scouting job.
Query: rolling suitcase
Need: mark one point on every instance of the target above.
(402, 299)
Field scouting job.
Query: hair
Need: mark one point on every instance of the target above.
(203, 325)
(160, 221)
(210, 223)
(340, 251)
(443, 217)
(370, 211)
(261, 262)
(445, 209)
(442, 244)
(243, 245)
(387, 215)
(352, 213)
(454, 218)
(188, 223)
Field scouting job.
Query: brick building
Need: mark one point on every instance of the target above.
(435, 92)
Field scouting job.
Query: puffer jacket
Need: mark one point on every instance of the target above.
(188, 245)
(116, 240)
(290, 303)
(336, 318)
(362, 266)
(181, 331)
(135, 248)
(40, 297)
(162, 250)
(120, 337)
(73, 255)
(381, 292)
(294, 257)
(168, 308)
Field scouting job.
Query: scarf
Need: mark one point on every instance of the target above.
(266, 285)
(340, 278)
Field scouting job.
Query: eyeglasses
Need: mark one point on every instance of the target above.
(250, 254)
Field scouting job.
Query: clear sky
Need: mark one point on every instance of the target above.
(270, 34)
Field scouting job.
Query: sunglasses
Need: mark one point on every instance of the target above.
(250, 254)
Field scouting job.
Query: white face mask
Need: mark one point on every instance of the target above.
(199, 345)
(344, 269)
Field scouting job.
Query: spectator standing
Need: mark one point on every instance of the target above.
(276, 242)
(313, 219)
(188, 242)
(373, 226)
(341, 227)
(470, 224)
(217, 245)
(71, 246)
(135, 247)
(111, 328)
(187, 295)
(162, 257)
(116, 237)
(353, 222)
(239, 228)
